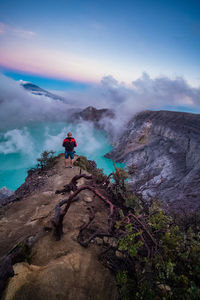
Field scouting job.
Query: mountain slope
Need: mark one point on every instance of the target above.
(164, 149)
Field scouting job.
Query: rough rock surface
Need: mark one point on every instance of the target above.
(34, 181)
(164, 148)
(58, 269)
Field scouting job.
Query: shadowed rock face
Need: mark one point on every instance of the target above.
(164, 146)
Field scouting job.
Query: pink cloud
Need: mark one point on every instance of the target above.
(47, 63)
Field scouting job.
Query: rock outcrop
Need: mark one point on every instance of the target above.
(163, 147)
(55, 269)
(94, 115)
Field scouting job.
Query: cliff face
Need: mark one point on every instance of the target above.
(56, 269)
(164, 147)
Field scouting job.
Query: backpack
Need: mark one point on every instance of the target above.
(69, 145)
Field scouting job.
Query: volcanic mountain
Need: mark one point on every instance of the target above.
(162, 151)
(36, 90)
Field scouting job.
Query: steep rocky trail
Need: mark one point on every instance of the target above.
(27, 216)
(59, 269)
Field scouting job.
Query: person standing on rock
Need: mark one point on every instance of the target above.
(69, 143)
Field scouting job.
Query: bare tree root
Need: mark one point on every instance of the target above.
(87, 233)
(72, 186)
(57, 220)
(86, 242)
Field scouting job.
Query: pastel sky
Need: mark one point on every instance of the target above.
(81, 41)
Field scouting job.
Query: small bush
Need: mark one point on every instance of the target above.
(91, 167)
(120, 176)
(132, 200)
(46, 161)
(121, 191)
(171, 272)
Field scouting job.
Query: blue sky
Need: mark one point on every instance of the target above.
(45, 82)
(80, 41)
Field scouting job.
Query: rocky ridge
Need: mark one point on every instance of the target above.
(54, 269)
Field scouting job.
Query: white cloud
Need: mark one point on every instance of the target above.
(20, 32)
(145, 93)
(16, 141)
(18, 108)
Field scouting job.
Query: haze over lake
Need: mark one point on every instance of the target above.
(19, 148)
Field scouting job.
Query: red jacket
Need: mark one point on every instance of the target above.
(69, 143)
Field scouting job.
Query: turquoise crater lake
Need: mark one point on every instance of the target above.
(19, 148)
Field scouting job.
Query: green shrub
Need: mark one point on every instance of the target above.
(46, 161)
(160, 254)
(130, 241)
(91, 167)
(120, 176)
(172, 271)
(132, 200)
